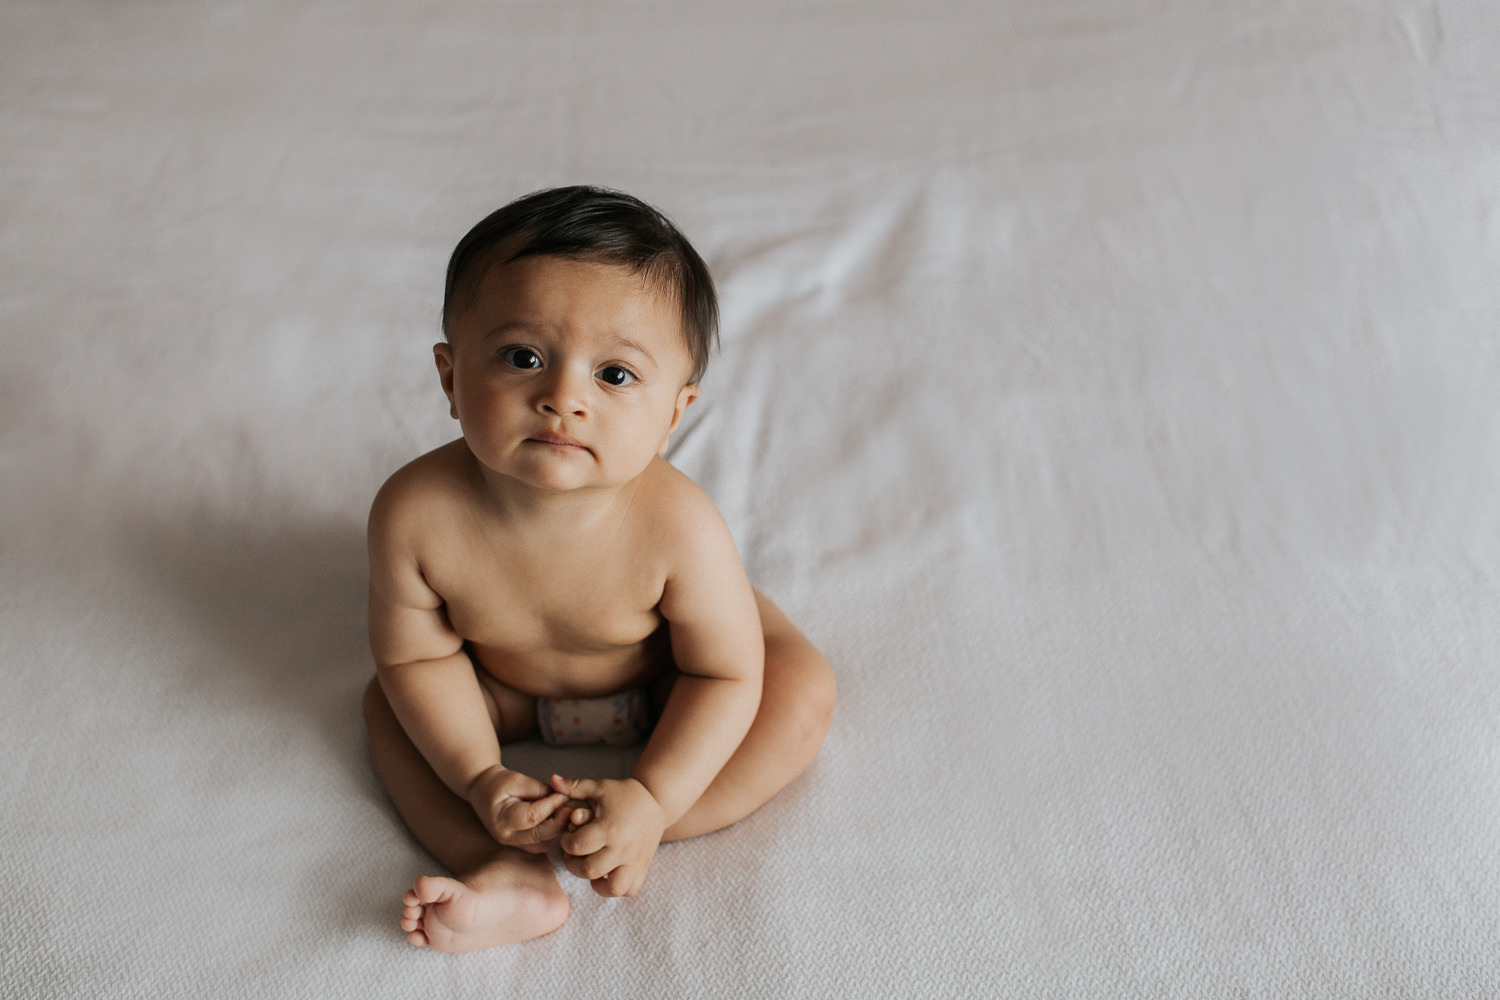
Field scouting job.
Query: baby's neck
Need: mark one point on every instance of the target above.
(567, 510)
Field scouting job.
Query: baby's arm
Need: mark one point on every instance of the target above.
(718, 647)
(430, 683)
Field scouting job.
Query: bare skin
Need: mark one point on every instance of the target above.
(449, 913)
(550, 552)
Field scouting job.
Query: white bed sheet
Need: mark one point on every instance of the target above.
(1110, 389)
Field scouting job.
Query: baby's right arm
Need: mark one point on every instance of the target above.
(430, 683)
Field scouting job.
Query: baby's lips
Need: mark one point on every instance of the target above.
(549, 437)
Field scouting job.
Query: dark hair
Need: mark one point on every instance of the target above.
(593, 224)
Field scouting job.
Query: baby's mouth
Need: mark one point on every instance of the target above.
(557, 440)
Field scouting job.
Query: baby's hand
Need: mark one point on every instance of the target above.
(615, 845)
(518, 810)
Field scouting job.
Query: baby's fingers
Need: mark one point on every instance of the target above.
(519, 814)
(587, 839)
(549, 829)
(623, 881)
(592, 866)
(585, 789)
(524, 786)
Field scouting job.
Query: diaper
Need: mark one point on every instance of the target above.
(618, 719)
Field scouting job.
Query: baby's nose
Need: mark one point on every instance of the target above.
(565, 394)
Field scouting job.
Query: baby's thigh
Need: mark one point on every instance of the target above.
(512, 713)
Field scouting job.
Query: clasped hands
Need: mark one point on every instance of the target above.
(609, 830)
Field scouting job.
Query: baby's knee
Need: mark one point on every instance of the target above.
(810, 692)
(821, 693)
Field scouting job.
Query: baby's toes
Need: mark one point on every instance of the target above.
(412, 912)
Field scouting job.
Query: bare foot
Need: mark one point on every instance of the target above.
(514, 898)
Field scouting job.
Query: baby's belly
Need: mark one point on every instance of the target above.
(572, 674)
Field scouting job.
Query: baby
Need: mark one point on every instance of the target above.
(550, 574)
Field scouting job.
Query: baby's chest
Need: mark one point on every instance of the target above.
(587, 611)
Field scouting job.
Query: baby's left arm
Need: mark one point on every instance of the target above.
(718, 648)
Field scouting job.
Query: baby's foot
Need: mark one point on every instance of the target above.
(513, 900)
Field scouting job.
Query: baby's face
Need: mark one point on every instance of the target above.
(566, 374)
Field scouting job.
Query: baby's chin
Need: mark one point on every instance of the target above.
(565, 481)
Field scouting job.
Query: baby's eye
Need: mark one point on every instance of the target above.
(615, 375)
(521, 357)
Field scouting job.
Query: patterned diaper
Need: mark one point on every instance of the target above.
(618, 719)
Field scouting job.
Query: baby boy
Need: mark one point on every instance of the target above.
(550, 574)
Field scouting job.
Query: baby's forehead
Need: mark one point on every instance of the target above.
(543, 281)
(506, 278)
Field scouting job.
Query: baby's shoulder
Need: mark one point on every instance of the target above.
(426, 486)
(678, 508)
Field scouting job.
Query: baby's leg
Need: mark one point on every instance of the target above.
(796, 709)
(499, 895)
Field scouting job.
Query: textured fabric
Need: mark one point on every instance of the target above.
(1110, 389)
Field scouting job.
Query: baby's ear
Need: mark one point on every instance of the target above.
(443, 355)
(685, 397)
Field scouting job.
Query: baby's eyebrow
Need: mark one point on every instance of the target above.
(510, 325)
(632, 345)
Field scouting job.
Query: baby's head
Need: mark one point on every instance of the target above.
(598, 226)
